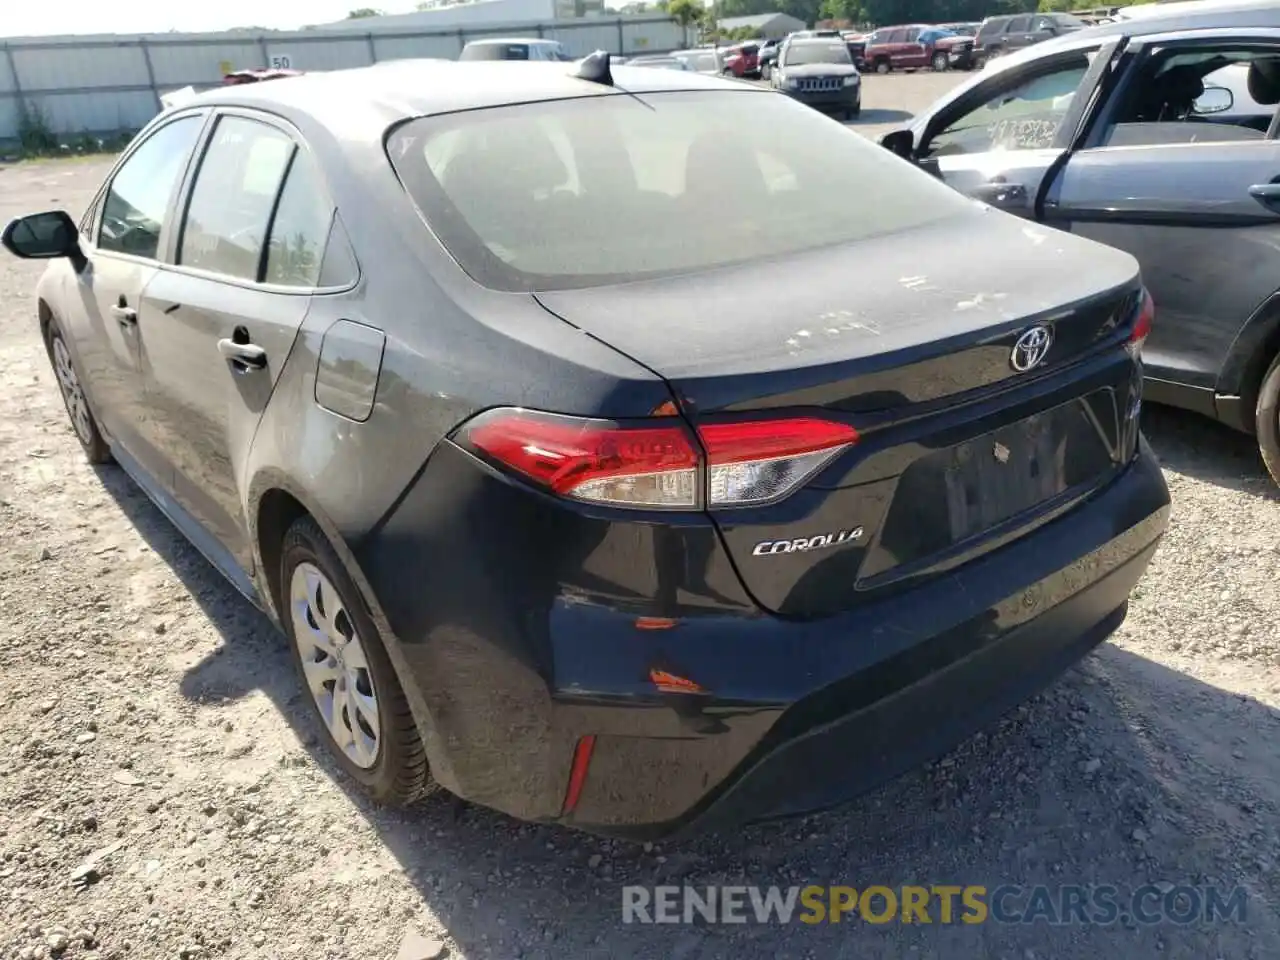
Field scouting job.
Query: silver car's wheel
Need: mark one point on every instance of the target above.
(335, 665)
(72, 392)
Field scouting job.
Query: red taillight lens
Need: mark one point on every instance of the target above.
(654, 463)
(1142, 325)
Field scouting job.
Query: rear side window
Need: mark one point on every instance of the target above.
(1019, 25)
(233, 198)
(138, 198)
(300, 227)
(530, 197)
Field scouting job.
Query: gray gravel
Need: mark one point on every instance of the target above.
(165, 795)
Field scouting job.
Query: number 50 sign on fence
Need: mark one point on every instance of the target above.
(280, 61)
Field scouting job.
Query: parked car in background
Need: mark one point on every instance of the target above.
(597, 533)
(857, 44)
(767, 56)
(1156, 136)
(519, 48)
(236, 77)
(914, 46)
(704, 60)
(1008, 33)
(819, 72)
(742, 60)
(660, 63)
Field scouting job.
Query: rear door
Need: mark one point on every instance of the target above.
(911, 52)
(1195, 197)
(998, 141)
(229, 305)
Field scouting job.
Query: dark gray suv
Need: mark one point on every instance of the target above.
(1006, 33)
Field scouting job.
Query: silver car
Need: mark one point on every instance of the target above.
(1156, 135)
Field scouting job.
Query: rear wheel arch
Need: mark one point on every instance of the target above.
(276, 503)
(1249, 357)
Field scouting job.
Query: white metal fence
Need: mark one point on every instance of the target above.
(107, 84)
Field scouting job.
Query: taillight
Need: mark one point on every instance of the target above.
(763, 460)
(655, 463)
(1142, 324)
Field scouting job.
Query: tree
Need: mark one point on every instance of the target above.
(363, 12)
(686, 12)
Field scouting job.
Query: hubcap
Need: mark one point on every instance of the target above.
(72, 394)
(335, 665)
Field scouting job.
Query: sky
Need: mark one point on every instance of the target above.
(23, 18)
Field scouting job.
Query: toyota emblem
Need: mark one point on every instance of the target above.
(1031, 347)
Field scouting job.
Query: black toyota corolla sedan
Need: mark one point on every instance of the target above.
(808, 473)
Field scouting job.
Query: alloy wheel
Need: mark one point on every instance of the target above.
(72, 392)
(335, 665)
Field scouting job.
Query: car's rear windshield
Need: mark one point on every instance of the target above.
(802, 53)
(1066, 21)
(607, 189)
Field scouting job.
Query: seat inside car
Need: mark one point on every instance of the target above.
(1160, 111)
(1264, 87)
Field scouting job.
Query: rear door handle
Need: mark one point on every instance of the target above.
(1267, 194)
(127, 316)
(243, 357)
(1001, 194)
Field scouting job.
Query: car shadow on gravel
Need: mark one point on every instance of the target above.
(1084, 784)
(1196, 446)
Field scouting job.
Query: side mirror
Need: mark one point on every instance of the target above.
(900, 142)
(1213, 100)
(42, 236)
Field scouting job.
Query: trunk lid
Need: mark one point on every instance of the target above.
(910, 339)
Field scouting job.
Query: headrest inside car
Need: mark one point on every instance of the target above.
(1264, 80)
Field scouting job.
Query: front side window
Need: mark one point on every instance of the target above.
(530, 197)
(1025, 116)
(1200, 94)
(138, 199)
(234, 193)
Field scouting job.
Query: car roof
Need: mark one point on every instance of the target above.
(1191, 15)
(488, 41)
(400, 89)
(816, 41)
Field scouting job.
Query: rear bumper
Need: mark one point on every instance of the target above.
(508, 675)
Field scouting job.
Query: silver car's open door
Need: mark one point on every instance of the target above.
(999, 141)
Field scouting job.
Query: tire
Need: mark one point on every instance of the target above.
(940, 62)
(854, 113)
(83, 423)
(1267, 420)
(883, 65)
(397, 774)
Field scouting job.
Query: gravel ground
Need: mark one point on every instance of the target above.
(165, 794)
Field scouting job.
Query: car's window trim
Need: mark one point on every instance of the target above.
(188, 185)
(175, 193)
(1138, 51)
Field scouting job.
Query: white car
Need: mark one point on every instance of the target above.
(517, 48)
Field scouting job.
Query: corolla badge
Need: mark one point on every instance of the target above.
(766, 548)
(1031, 347)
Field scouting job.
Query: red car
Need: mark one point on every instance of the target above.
(916, 45)
(742, 60)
